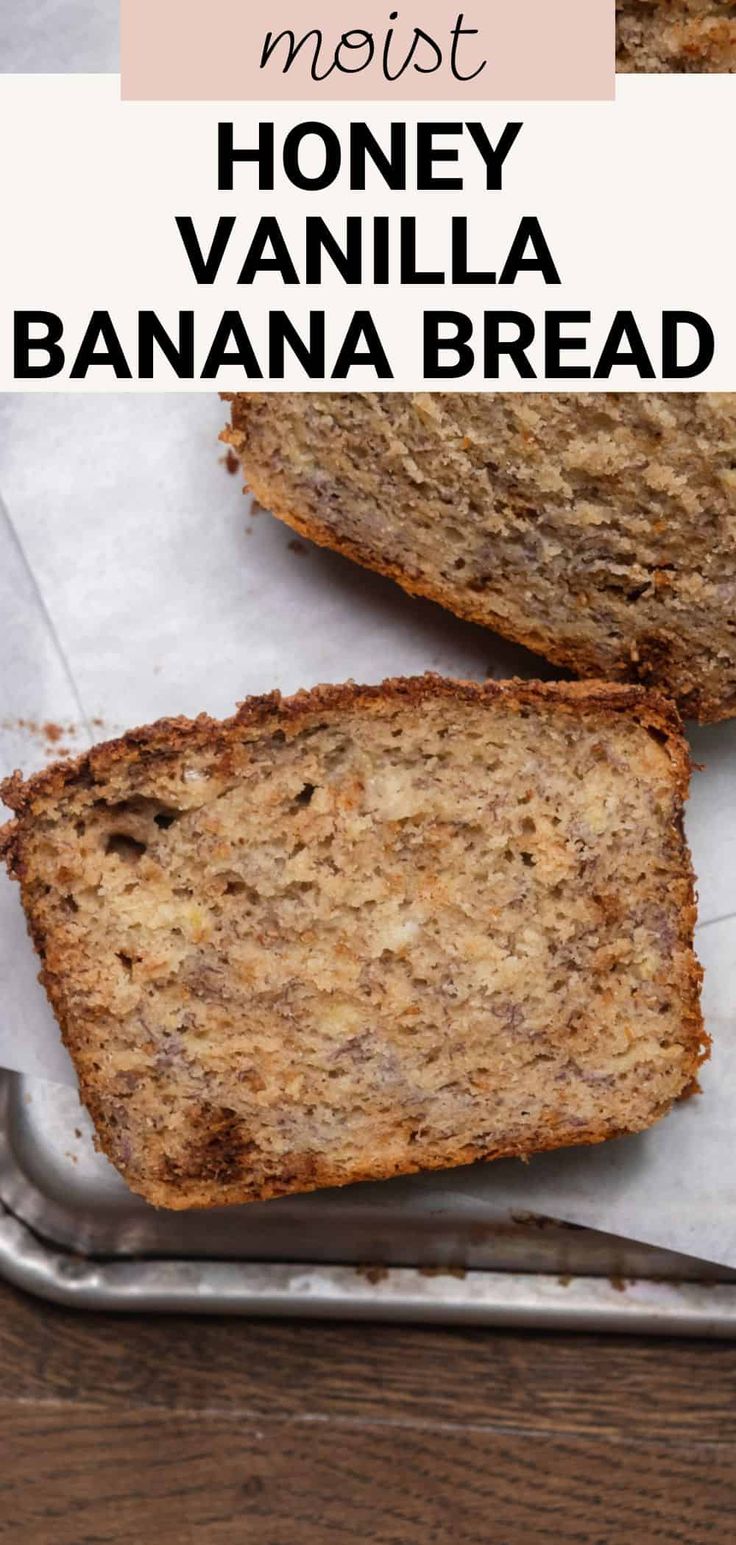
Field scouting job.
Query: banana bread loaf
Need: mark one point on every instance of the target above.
(367, 930)
(678, 36)
(599, 530)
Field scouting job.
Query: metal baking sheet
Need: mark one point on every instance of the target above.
(71, 1231)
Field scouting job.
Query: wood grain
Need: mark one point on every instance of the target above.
(150, 1429)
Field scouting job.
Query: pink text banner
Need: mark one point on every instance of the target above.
(367, 50)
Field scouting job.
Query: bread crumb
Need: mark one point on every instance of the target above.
(49, 731)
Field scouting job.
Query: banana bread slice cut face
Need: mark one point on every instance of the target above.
(366, 931)
(597, 529)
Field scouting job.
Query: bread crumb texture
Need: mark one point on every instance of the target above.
(599, 530)
(366, 931)
(676, 36)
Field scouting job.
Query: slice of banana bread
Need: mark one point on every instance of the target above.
(367, 930)
(676, 36)
(599, 530)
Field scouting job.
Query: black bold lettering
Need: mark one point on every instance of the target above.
(515, 347)
(624, 330)
(494, 155)
(227, 156)
(319, 240)
(672, 367)
(381, 250)
(458, 343)
(461, 273)
(100, 346)
(49, 344)
(268, 232)
(333, 156)
(362, 330)
(540, 260)
(410, 274)
(554, 343)
(180, 354)
(205, 269)
(428, 153)
(311, 355)
(231, 329)
(391, 165)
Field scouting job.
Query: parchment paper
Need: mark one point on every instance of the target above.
(135, 581)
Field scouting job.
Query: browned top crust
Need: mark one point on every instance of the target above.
(166, 737)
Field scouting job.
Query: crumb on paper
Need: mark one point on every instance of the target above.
(295, 546)
(50, 732)
(230, 462)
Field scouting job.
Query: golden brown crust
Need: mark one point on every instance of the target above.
(165, 737)
(32, 798)
(214, 1193)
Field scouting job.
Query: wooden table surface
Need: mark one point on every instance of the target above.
(163, 1431)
